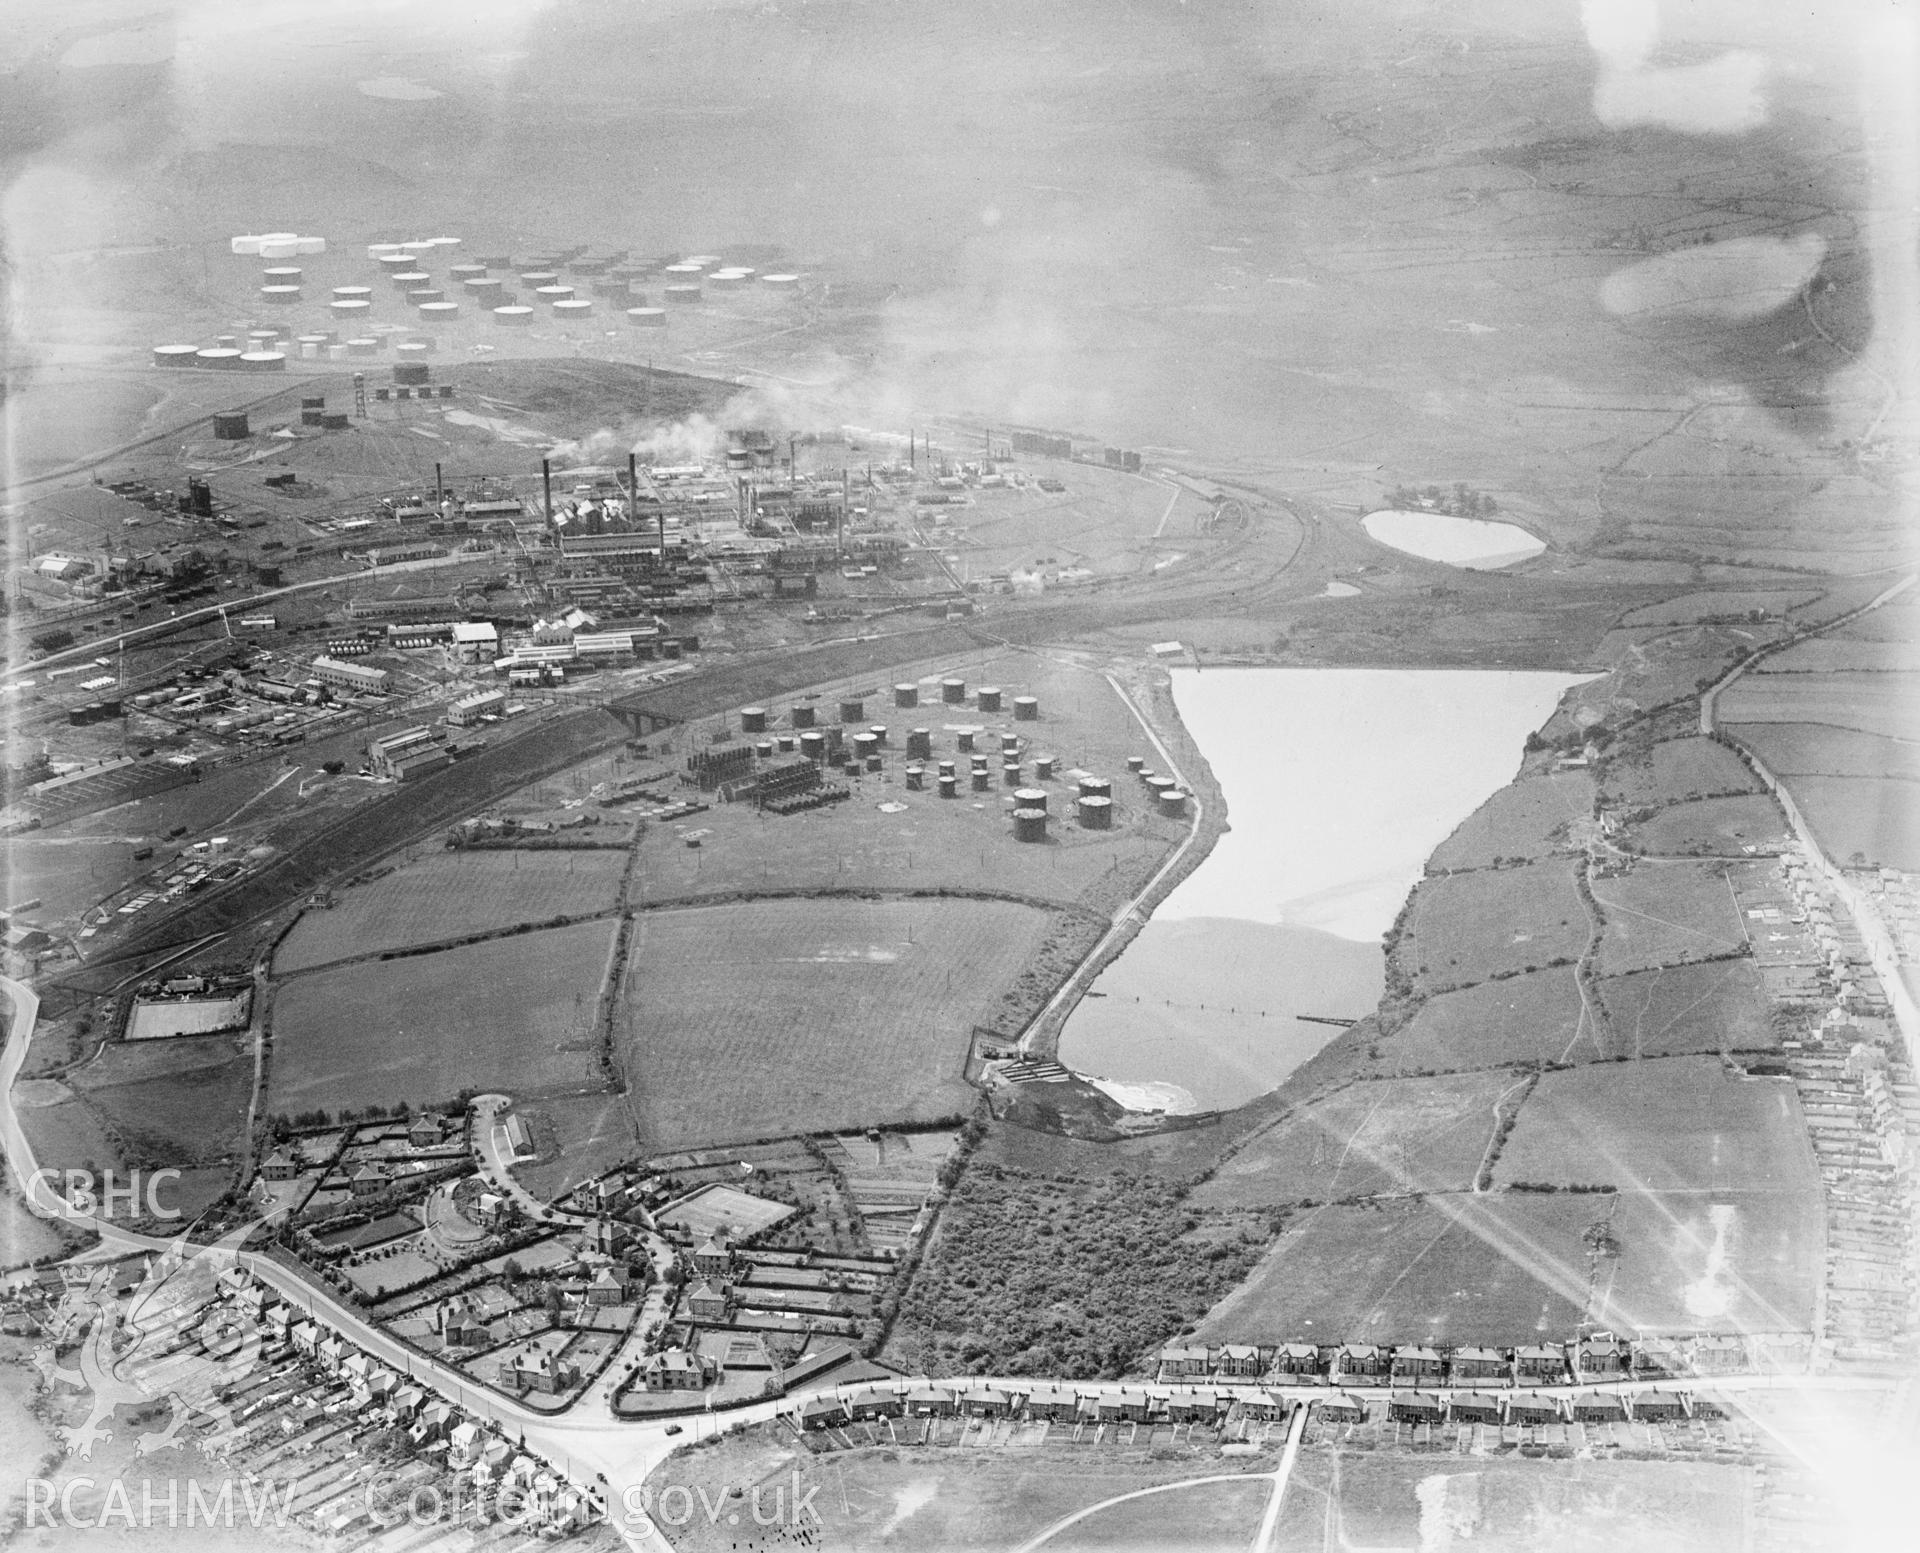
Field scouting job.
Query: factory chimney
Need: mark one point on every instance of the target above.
(546, 489)
(439, 489)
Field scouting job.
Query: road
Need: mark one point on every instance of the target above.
(1061, 1003)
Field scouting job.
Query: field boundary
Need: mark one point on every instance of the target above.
(439, 945)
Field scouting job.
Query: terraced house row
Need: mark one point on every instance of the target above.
(1600, 1357)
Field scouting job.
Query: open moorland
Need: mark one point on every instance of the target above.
(770, 1017)
(452, 896)
(515, 1013)
(1384, 1137)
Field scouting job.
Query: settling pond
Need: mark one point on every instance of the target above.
(1339, 783)
(1474, 543)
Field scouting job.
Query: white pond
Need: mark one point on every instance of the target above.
(1477, 544)
(1339, 783)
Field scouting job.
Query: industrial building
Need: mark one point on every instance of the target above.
(351, 676)
(473, 708)
(413, 752)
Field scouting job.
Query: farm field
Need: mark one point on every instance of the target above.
(1873, 703)
(1385, 1499)
(772, 1017)
(514, 1015)
(195, 1113)
(1524, 820)
(1531, 1018)
(452, 895)
(1861, 820)
(1840, 653)
(1713, 827)
(1716, 603)
(1446, 1269)
(932, 1501)
(1798, 749)
(1666, 1124)
(1676, 770)
(1383, 1136)
(1667, 914)
(24, 1235)
(1898, 621)
(1717, 1007)
(1465, 928)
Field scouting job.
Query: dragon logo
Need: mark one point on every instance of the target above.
(181, 1336)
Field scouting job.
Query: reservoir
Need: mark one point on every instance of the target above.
(1474, 543)
(1339, 783)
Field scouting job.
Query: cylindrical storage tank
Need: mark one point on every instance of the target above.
(353, 293)
(813, 746)
(396, 263)
(269, 249)
(1026, 709)
(410, 371)
(378, 251)
(466, 271)
(220, 358)
(953, 691)
(515, 316)
(419, 296)
(410, 280)
(686, 269)
(228, 341)
(337, 352)
(1136, 764)
(1009, 742)
(982, 780)
(852, 711)
(915, 776)
(574, 308)
(802, 717)
(175, 355)
(365, 345)
(753, 719)
(852, 768)
(231, 427)
(906, 695)
(727, 280)
(1043, 767)
(335, 422)
(1030, 798)
(439, 312)
(946, 768)
(1029, 824)
(279, 296)
(261, 339)
(764, 749)
(245, 245)
(681, 294)
(963, 740)
(538, 278)
(1096, 813)
(920, 742)
(263, 361)
(312, 414)
(310, 245)
(989, 698)
(1010, 774)
(879, 732)
(349, 310)
(949, 787)
(553, 292)
(309, 350)
(865, 744)
(780, 282)
(1173, 803)
(280, 275)
(784, 743)
(977, 762)
(1095, 787)
(1160, 786)
(647, 317)
(488, 290)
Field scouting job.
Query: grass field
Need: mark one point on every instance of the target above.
(1862, 820)
(934, 1500)
(195, 1114)
(1466, 928)
(24, 1236)
(1526, 820)
(1839, 653)
(1387, 1136)
(1535, 1017)
(1667, 914)
(1873, 703)
(1448, 1269)
(450, 896)
(1666, 1124)
(1510, 1504)
(1717, 1007)
(514, 1015)
(1713, 827)
(1674, 771)
(771, 1017)
(1721, 603)
(578, 1136)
